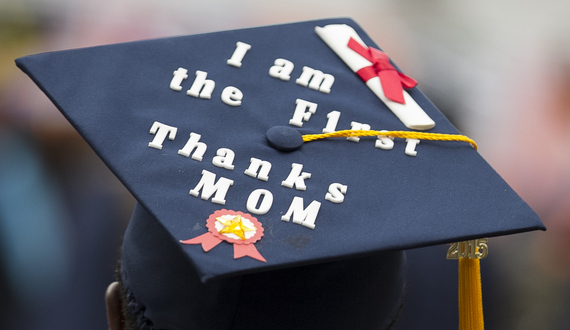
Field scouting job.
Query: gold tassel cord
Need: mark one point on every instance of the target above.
(398, 134)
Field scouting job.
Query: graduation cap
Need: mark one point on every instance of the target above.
(279, 173)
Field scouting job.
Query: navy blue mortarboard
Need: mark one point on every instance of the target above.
(254, 203)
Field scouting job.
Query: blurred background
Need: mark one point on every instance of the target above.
(499, 70)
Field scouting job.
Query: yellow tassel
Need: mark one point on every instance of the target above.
(470, 298)
(398, 134)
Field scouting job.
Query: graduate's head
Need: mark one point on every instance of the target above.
(162, 290)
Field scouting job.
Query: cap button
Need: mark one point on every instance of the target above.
(284, 138)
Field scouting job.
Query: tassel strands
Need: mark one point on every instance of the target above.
(470, 297)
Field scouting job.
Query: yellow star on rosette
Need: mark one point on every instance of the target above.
(234, 226)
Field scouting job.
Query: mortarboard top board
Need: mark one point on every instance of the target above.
(206, 132)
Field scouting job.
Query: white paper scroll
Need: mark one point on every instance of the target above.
(336, 36)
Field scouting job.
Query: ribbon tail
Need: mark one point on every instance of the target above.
(407, 82)
(391, 85)
(242, 250)
(359, 49)
(208, 241)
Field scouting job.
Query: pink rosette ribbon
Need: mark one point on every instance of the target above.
(235, 227)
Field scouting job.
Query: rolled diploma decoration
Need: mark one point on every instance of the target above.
(336, 36)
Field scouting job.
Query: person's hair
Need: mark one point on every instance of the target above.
(129, 320)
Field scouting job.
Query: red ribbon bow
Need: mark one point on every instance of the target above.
(391, 79)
